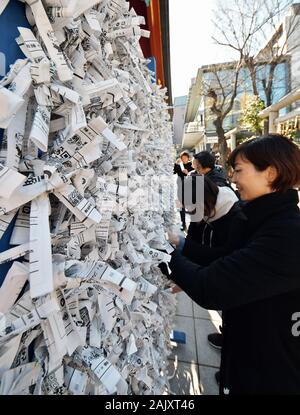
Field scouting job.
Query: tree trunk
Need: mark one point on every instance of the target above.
(252, 68)
(266, 126)
(269, 86)
(254, 85)
(268, 93)
(223, 148)
(268, 89)
(259, 132)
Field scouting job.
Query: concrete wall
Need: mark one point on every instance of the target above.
(178, 123)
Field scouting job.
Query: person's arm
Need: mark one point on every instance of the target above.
(264, 268)
(201, 254)
(177, 170)
(196, 252)
(232, 239)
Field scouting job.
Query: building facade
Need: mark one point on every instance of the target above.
(284, 114)
(198, 114)
(220, 77)
(194, 122)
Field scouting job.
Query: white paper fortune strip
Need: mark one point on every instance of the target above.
(84, 308)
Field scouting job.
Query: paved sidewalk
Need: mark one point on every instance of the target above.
(195, 362)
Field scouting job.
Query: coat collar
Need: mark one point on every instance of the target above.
(264, 207)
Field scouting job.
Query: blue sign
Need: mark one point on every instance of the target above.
(12, 17)
(152, 66)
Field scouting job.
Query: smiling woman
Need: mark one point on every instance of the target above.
(257, 286)
(265, 165)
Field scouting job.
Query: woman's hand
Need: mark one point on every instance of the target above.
(173, 238)
(164, 269)
(176, 289)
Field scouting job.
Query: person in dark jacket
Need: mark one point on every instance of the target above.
(218, 233)
(205, 163)
(258, 285)
(182, 167)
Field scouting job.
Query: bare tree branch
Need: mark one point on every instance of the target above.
(254, 31)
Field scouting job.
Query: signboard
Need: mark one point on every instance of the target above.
(212, 140)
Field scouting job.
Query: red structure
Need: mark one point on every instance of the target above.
(158, 46)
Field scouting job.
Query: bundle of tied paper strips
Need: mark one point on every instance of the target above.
(84, 308)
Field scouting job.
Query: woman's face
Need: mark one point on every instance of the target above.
(250, 182)
(197, 166)
(194, 164)
(184, 159)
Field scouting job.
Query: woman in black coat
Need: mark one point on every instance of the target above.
(258, 285)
